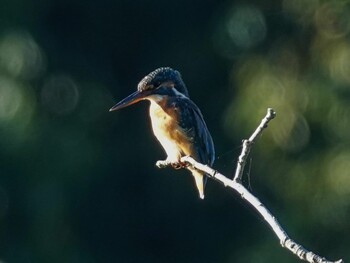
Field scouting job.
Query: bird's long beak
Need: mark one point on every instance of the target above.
(129, 100)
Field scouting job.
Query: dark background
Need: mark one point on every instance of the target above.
(78, 183)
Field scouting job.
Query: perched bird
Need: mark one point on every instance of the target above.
(176, 121)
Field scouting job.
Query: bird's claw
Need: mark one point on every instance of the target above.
(178, 165)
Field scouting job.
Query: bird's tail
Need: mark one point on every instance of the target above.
(200, 180)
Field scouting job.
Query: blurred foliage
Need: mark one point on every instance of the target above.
(78, 184)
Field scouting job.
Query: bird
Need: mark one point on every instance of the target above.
(177, 122)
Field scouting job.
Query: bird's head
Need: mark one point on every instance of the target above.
(157, 84)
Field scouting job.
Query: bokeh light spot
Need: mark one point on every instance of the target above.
(10, 99)
(332, 19)
(303, 10)
(21, 56)
(292, 133)
(237, 29)
(17, 109)
(339, 63)
(246, 26)
(60, 94)
(257, 78)
(337, 122)
(339, 172)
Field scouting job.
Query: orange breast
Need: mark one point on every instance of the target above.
(168, 132)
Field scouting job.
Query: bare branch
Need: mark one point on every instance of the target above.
(237, 186)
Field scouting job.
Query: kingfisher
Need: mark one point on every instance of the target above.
(177, 122)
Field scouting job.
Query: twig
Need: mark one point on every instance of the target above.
(247, 144)
(236, 185)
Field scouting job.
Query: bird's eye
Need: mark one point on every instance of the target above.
(148, 87)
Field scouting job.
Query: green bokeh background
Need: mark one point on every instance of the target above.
(78, 183)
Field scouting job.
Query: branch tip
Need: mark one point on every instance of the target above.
(271, 113)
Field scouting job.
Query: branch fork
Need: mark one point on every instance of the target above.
(236, 185)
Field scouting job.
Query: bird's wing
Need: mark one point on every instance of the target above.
(190, 119)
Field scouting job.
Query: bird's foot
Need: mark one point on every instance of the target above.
(176, 165)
